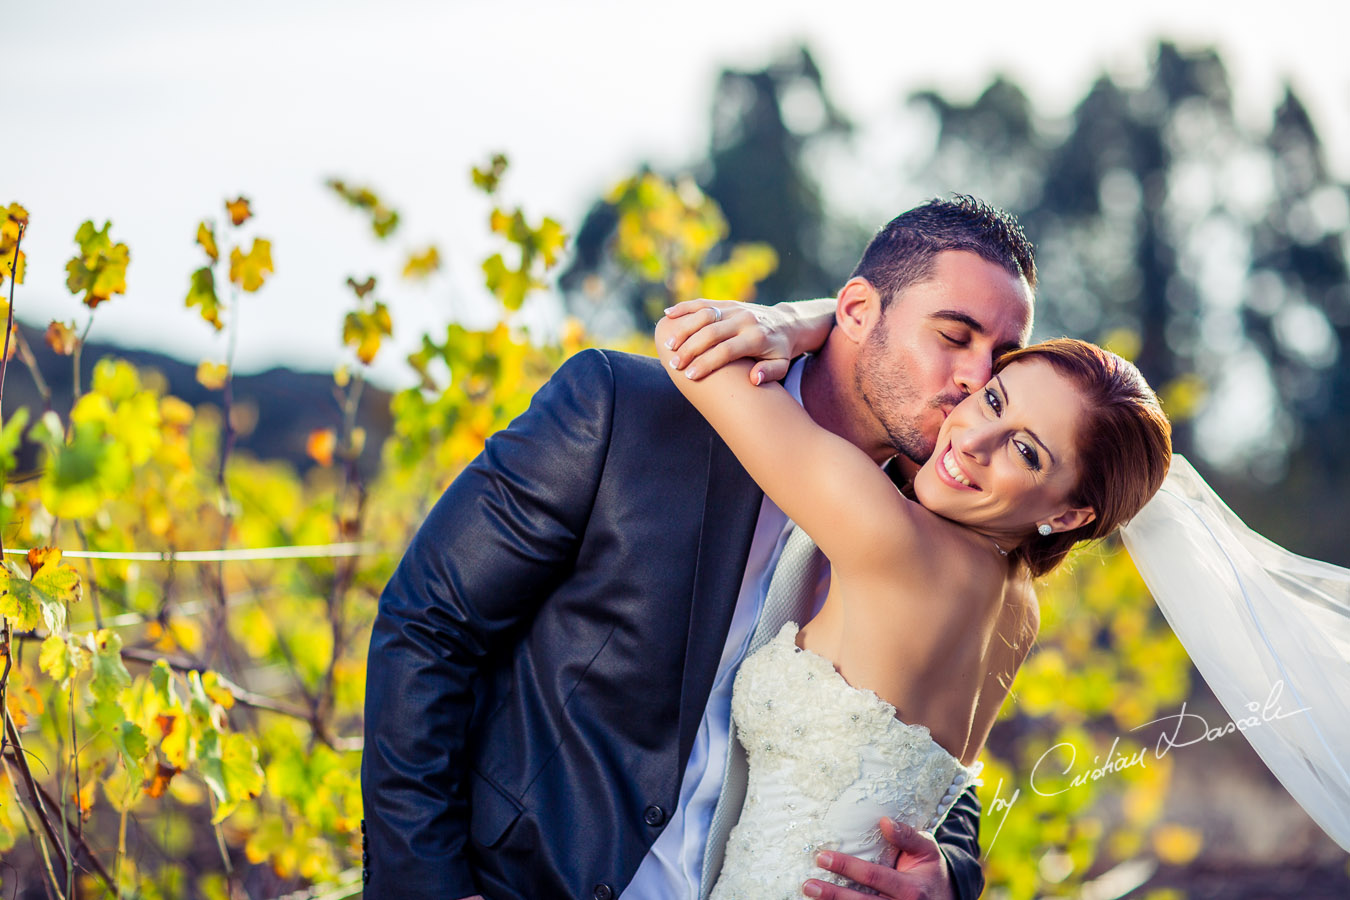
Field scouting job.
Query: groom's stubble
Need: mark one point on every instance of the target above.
(884, 380)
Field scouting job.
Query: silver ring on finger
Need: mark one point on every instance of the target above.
(717, 313)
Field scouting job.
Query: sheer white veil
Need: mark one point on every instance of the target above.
(1268, 630)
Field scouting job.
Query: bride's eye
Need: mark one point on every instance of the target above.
(995, 403)
(1033, 459)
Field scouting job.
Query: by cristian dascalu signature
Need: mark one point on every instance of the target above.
(1185, 729)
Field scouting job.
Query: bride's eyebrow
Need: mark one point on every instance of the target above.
(1007, 401)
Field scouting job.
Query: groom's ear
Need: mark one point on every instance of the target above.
(858, 309)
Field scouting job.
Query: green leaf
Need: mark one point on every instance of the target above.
(99, 269)
(110, 675)
(202, 292)
(487, 180)
(41, 599)
(229, 765)
(125, 735)
(11, 437)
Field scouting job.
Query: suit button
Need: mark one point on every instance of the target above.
(365, 876)
(654, 815)
(602, 892)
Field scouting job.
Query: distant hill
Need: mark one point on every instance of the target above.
(288, 404)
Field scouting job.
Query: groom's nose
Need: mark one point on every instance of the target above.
(972, 372)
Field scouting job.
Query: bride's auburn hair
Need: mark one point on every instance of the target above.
(1124, 443)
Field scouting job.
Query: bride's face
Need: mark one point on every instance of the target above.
(1006, 458)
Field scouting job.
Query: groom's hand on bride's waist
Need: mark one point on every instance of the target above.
(918, 870)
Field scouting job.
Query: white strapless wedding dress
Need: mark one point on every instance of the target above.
(827, 761)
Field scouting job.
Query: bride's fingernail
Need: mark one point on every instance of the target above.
(670, 343)
(689, 373)
(674, 362)
(811, 890)
(759, 378)
(824, 860)
(668, 310)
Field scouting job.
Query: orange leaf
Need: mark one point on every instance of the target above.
(156, 786)
(320, 446)
(61, 338)
(238, 210)
(41, 556)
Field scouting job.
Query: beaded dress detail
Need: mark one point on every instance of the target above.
(826, 762)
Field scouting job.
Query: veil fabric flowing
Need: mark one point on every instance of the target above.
(1267, 629)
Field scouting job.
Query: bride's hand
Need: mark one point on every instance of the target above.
(913, 868)
(712, 333)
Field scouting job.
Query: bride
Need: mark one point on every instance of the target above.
(880, 704)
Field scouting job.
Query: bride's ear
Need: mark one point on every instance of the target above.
(1075, 517)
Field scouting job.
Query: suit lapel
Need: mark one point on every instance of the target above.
(730, 511)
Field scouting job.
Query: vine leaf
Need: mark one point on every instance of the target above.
(202, 292)
(61, 338)
(42, 598)
(62, 658)
(421, 265)
(211, 375)
(99, 269)
(110, 676)
(363, 330)
(251, 269)
(239, 211)
(229, 765)
(15, 217)
(207, 238)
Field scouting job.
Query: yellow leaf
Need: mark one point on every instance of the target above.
(249, 271)
(1177, 845)
(422, 265)
(238, 210)
(207, 238)
(212, 375)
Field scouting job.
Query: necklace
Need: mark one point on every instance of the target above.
(1001, 551)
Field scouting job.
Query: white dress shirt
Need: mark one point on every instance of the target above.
(673, 867)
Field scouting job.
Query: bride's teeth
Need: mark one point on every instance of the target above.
(949, 463)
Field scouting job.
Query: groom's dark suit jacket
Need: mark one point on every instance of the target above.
(544, 651)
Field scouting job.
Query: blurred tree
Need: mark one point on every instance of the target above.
(764, 122)
(1213, 255)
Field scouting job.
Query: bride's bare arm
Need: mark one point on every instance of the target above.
(773, 335)
(829, 487)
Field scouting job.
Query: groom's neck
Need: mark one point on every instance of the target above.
(830, 397)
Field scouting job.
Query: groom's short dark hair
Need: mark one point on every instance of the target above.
(904, 251)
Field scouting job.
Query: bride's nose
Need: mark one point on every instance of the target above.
(974, 442)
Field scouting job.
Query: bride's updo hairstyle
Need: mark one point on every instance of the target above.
(1124, 443)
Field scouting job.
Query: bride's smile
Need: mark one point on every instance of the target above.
(1006, 458)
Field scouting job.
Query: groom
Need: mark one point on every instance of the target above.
(551, 663)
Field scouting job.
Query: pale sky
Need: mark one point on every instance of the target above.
(150, 114)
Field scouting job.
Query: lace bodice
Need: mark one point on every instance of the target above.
(827, 761)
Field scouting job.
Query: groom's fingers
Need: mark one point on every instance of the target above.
(915, 847)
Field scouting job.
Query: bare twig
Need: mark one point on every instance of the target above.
(16, 756)
(85, 854)
(9, 325)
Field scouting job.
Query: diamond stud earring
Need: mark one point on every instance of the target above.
(1044, 529)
